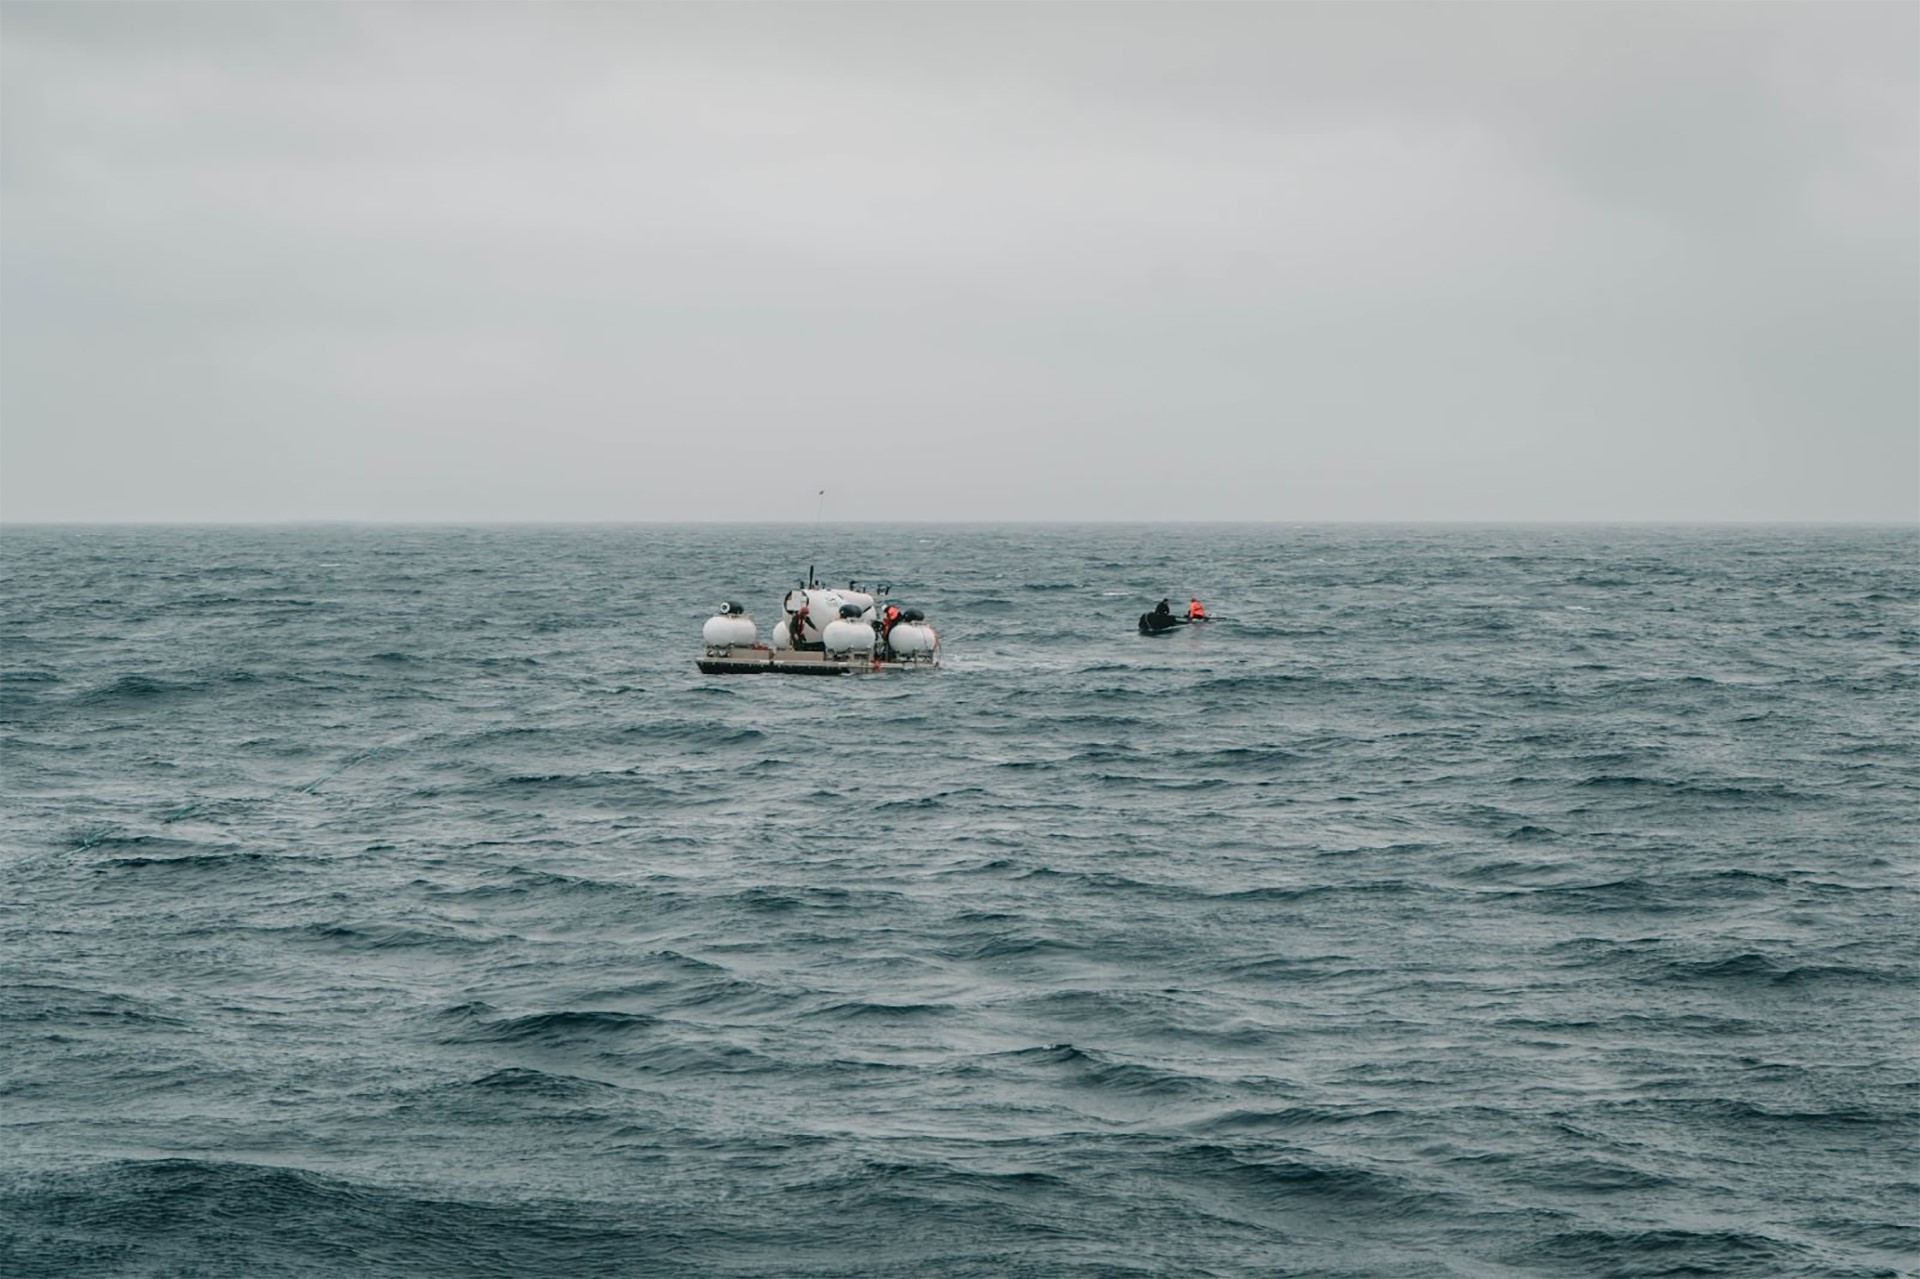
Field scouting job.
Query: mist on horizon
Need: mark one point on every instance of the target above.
(1290, 263)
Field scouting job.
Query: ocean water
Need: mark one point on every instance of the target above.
(1519, 901)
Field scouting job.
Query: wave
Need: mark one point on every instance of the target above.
(1660, 1252)
(1585, 1175)
(1239, 758)
(1883, 1121)
(626, 1041)
(779, 899)
(1241, 686)
(512, 882)
(1292, 969)
(215, 863)
(1691, 788)
(1654, 962)
(1298, 1182)
(715, 995)
(146, 849)
(389, 936)
(1008, 945)
(1105, 881)
(168, 1217)
(712, 735)
(1298, 1118)
(1308, 892)
(922, 803)
(1754, 968)
(1632, 894)
(76, 1006)
(872, 1010)
(132, 688)
(1099, 1072)
(522, 1081)
(1685, 1025)
(561, 1028)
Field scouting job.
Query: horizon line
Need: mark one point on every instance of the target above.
(358, 522)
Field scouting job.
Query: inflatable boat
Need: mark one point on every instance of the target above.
(1162, 618)
(1161, 623)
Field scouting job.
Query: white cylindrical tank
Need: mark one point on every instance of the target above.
(913, 639)
(844, 635)
(726, 629)
(824, 603)
(860, 600)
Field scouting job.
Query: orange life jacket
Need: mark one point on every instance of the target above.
(1196, 609)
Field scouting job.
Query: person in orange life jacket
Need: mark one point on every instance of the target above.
(1195, 608)
(797, 627)
(892, 620)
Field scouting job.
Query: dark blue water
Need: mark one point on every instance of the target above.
(1481, 902)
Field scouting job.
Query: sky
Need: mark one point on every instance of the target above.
(959, 261)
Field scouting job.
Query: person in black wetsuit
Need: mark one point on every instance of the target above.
(797, 627)
(1163, 609)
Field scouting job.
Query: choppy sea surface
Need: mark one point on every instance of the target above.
(1512, 901)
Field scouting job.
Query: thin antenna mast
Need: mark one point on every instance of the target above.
(818, 508)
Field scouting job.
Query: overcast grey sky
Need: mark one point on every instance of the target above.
(503, 261)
